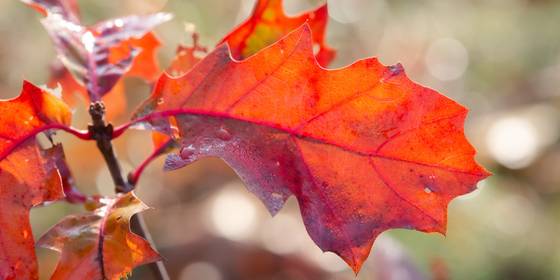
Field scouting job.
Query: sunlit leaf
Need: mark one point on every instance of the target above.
(362, 148)
(100, 245)
(269, 23)
(28, 175)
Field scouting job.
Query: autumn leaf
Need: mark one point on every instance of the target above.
(186, 57)
(72, 91)
(71, 192)
(87, 52)
(34, 111)
(98, 56)
(145, 64)
(27, 179)
(28, 175)
(66, 8)
(269, 23)
(100, 245)
(362, 148)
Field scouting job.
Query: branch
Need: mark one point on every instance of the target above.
(102, 133)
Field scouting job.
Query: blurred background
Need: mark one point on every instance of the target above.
(500, 58)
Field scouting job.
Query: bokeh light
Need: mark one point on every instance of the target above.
(233, 214)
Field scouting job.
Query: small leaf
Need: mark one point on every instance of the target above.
(71, 193)
(357, 146)
(100, 245)
(66, 8)
(72, 90)
(100, 55)
(269, 23)
(186, 57)
(129, 41)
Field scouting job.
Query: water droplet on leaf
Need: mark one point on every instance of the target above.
(187, 152)
(223, 134)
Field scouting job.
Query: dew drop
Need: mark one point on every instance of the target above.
(187, 152)
(277, 196)
(25, 234)
(277, 163)
(427, 190)
(223, 134)
(160, 101)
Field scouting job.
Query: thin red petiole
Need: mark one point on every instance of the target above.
(82, 134)
(134, 176)
(118, 131)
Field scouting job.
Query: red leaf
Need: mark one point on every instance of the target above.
(71, 193)
(66, 8)
(145, 64)
(100, 245)
(34, 111)
(362, 148)
(27, 179)
(124, 45)
(186, 57)
(71, 89)
(269, 23)
(100, 55)
(27, 176)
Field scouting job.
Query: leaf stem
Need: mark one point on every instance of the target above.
(103, 134)
(134, 176)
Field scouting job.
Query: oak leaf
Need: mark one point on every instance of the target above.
(100, 245)
(362, 148)
(72, 91)
(35, 110)
(87, 52)
(66, 8)
(28, 175)
(98, 56)
(27, 179)
(269, 23)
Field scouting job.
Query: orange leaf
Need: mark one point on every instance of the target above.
(71, 89)
(27, 176)
(145, 64)
(363, 148)
(100, 245)
(269, 23)
(34, 111)
(66, 8)
(27, 179)
(91, 53)
(186, 57)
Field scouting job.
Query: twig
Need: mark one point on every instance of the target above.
(102, 133)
